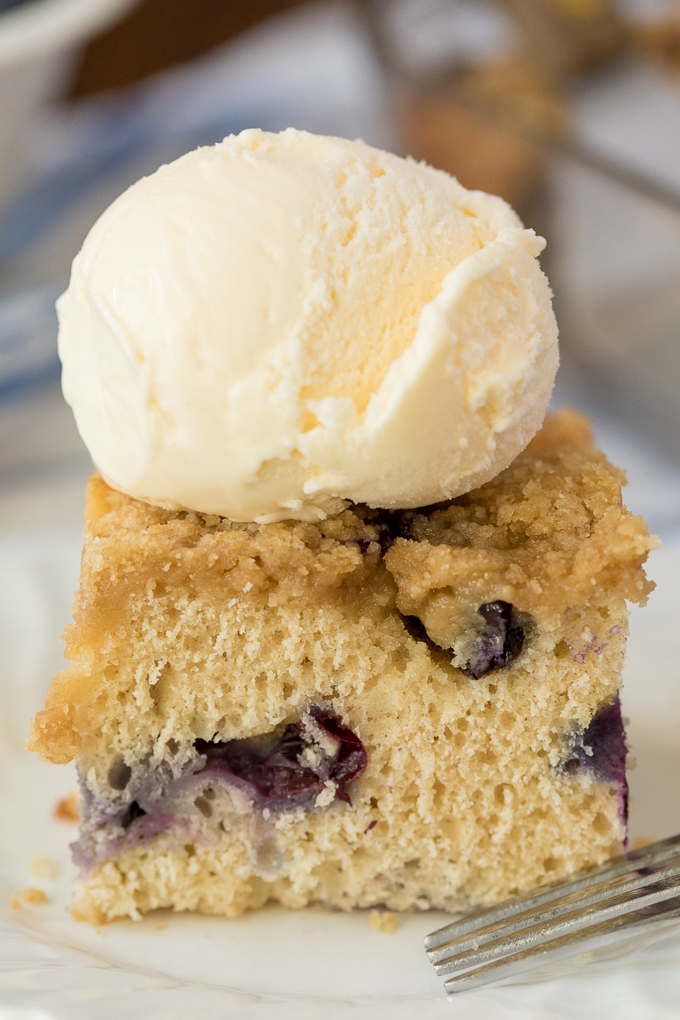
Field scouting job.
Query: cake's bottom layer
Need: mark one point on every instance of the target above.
(238, 859)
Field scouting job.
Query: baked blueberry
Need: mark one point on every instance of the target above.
(292, 768)
(133, 812)
(500, 640)
(601, 747)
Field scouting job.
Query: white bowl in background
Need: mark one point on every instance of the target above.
(39, 40)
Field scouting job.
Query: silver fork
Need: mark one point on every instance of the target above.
(588, 911)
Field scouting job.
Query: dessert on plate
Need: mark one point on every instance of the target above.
(350, 622)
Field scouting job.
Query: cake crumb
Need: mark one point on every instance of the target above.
(66, 809)
(161, 926)
(327, 795)
(29, 895)
(43, 867)
(383, 920)
(640, 841)
(33, 895)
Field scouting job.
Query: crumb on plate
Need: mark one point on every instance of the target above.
(383, 920)
(29, 895)
(43, 867)
(66, 809)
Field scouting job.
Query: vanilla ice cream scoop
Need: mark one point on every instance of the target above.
(279, 320)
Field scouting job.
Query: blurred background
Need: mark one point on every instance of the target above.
(570, 109)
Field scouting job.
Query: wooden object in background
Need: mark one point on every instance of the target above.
(566, 37)
(479, 126)
(159, 33)
(482, 123)
(448, 134)
(660, 40)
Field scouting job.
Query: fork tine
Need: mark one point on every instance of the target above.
(598, 937)
(606, 891)
(578, 919)
(633, 860)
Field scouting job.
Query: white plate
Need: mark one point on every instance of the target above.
(274, 964)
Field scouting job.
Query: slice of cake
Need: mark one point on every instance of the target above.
(338, 639)
(413, 708)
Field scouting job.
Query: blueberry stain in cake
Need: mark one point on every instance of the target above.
(601, 747)
(500, 640)
(294, 768)
(306, 764)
